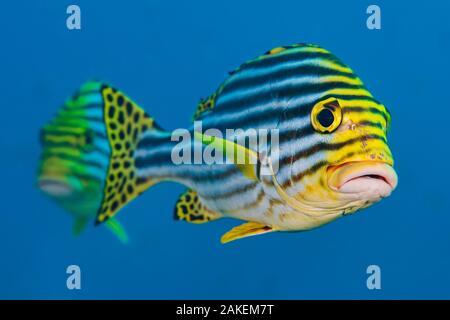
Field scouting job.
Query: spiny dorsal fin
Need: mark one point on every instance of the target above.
(208, 104)
(277, 50)
(246, 230)
(300, 47)
(204, 105)
(124, 121)
(190, 209)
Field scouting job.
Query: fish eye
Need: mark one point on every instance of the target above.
(326, 116)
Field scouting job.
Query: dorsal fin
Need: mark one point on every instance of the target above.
(208, 104)
(300, 47)
(191, 209)
(205, 105)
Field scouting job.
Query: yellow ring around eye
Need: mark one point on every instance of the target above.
(331, 107)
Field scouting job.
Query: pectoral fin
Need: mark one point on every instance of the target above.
(245, 159)
(246, 230)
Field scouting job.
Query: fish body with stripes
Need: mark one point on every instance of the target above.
(102, 150)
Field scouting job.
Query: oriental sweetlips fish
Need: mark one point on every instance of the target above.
(332, 158)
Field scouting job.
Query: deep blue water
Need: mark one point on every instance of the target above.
(166, 55)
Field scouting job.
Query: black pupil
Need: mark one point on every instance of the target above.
(325, 117)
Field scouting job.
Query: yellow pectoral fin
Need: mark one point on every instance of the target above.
(245, 159)
(246, 230)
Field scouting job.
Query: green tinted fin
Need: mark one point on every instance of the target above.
(79, 225)
(116, 227)
(190, 209)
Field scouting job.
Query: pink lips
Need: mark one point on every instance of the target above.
(373, 179)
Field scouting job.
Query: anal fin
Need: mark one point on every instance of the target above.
(246, 230)
(191, 209)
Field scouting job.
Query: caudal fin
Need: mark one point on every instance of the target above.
(125, 122)
(88, 158)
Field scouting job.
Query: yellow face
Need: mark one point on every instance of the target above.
(357, 165)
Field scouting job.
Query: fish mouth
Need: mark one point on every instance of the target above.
(371, 179)
(55, 187)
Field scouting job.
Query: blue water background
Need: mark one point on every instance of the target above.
(166, 55)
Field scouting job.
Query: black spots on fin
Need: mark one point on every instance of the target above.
(121, 118)
(129, 109)
(111, 111)
(114, 205)
(120, 100)
(136, 117)
(125, 122)
(190, 209)
(205, 105)
(130, 188)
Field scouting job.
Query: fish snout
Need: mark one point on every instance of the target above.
(371, 180)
